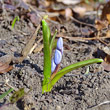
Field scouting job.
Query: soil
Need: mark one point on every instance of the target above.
(74, 91)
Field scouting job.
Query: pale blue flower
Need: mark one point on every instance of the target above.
(58, 57)
(53, 65)
(60, 43)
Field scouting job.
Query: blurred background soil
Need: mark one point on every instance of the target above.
(81, 24)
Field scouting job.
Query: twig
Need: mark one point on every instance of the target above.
(35, 45)
(91, 13)
(81, 38)
(10, 86)
(28, 47)
(41, 14)
(82, 22)
(39, 48)
(105, 102)
(6, 83)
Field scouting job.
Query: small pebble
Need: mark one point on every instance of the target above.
(58, 107)
(13, 49)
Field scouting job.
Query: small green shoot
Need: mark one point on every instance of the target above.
(6, 93)
(51, 74)
(14, 21)
(17, 95)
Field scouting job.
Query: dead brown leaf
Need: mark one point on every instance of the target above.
(33, 2)
(106, 63)
(101, 24)
(80, 10)
(105, 11)
(38, 49)
(108, 33)
(108, 18)
(60, 14)
(5, 63)
(68, 13)
(34, 18)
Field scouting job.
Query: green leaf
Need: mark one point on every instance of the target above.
(68, 69)
(6, 93)
(14, 21)
(53, 41)
(17, 95)
(47, 54)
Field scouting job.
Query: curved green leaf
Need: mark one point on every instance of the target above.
(68, 69)
(14, 21)
(6, 93)
(52, 41)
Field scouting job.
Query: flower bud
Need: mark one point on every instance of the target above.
(58, 57)
(60, 44)
(53, 65)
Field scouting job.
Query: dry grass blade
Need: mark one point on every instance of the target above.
(28, 47)
(100, 104)
(35, 45)
(105, 11)
(72, 18)
(85, 39)
(100, 25)
(38, 49)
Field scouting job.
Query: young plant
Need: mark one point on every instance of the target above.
(14, 21)
(51, 67)
(6, 93)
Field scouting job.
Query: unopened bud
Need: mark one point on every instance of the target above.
(53, 65)
(60, 44)
(58, 57)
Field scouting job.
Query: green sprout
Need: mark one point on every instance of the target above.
(88, 1)
(51, 66)
(14, 21)
(6, 93)
(17, 95)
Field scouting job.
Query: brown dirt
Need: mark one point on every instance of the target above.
(74, 91)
